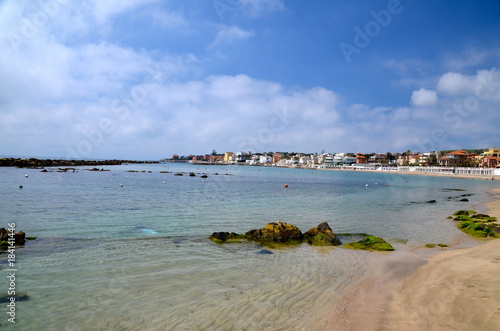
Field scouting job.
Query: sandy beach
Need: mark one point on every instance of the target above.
(457, 289)
(415, 173)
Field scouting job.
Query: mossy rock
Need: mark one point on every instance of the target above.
(461, 212)
(480, 230)
(371, 243)
(226, 237)
(434, 245)
(483, 218)
(322, 235)
(30, 238)
(461, 218)
(279, 232)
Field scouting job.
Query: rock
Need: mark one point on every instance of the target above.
(204, 176)
(464, 200)
(18, 296)
(19, 238)
(264, 252)
(461, 212)
(223, 237)
(371, 243)
(179, 174)
(431, 201)
(192, 174)
(322, 235)
(279, 232)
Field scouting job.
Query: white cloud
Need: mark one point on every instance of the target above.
(485, 84)
(229, 35)
(262, 7)
(105, 10)
(470, 57)
(424, 98)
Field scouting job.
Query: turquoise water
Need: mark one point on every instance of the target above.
(120, 250)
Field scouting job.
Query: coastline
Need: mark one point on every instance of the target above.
(415, 173)
(432, 289)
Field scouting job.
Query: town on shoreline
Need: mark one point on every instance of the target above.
(460, 162)
(480, 158)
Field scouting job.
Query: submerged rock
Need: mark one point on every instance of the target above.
(322, 235)
(371, 243)
(223, 237)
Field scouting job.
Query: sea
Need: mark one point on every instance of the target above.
(127, 248)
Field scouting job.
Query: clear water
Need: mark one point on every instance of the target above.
(119, 250)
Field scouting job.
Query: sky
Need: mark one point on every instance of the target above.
(146, 79)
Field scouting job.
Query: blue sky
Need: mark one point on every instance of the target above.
(144, 79)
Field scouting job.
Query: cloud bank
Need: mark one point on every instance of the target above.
(65, 92)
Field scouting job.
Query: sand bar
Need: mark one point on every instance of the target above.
(457, 289)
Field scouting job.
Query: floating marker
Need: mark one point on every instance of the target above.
(20, 186)
(366, 185)
(121, 185)
(26, 175)
(164, 182)
(286, 185)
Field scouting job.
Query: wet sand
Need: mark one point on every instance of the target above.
(435, 289)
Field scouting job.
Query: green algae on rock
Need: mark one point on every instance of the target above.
(278, 234)
(477, 225)
(371, 243)
(322, 235)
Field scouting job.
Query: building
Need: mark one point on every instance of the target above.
(489, 162)
(494, 152)
(229, 157)
(454, 159)
(361, 159)
(415, 160)
(277, 157)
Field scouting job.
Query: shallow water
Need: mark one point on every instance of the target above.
(135, 257)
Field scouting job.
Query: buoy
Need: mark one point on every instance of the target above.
(366, 185)
(286, 185)
(121, 185)
(26, 175)
(20, 186)
(164, 182)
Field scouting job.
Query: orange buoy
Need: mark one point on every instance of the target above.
(286, 185)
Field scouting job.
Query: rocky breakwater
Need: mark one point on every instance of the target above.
(280, 233)
(41, 163)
